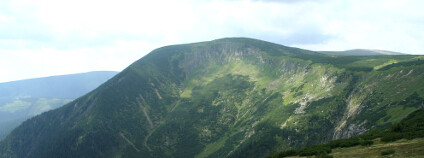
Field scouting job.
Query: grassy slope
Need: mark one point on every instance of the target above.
(402, 148)
(405, 139)
(269, 108)
(284, 111)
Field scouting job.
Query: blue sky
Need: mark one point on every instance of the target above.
(53, 37)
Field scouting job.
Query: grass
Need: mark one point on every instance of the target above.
(390, 141)
(385, 64)
(402, 148)
(211, 148)
(396, 114)
(187, 92)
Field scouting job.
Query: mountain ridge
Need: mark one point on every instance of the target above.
(225, 98)
(361, 52)
(25, 86)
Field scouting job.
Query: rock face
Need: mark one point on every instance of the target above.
(233, 97)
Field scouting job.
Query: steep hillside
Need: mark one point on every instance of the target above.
(404, 139)
(22, 99)
(233, 97)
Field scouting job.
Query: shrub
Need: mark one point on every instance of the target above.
(344, 142)
(372, 134)
(390, 137)
(324, 155)
(366, 142)
(388, 152)
(315, 150)
(287, 153)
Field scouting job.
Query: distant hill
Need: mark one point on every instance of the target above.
(63, 86)
(361, 52)
(22, 99)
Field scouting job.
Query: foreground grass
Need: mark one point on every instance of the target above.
(402, 148)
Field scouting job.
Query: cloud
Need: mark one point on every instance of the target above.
(288, 1)
(48, 37)
(388, 25)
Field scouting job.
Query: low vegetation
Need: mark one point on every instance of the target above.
(410, 128)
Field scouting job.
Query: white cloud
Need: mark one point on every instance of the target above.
(390, 25)
(50, 37)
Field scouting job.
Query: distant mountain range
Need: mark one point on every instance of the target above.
(231, 97)
(361, 52)
(20, 100)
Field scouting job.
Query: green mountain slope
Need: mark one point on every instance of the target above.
(233, 97)
(20, 100)
(399, 140)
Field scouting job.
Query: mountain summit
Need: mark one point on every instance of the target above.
(232, 97)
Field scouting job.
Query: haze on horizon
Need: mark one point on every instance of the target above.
(47, 37)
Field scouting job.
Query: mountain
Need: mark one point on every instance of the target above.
(20, 100)
(361, 52)
(232, 97)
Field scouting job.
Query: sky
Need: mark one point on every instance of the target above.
(41, 38)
